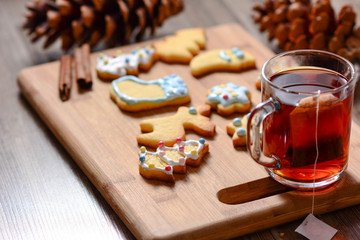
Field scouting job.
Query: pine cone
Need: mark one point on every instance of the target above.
(81, 21)
(300, 25)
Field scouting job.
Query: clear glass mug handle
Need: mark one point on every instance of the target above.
(254, 136)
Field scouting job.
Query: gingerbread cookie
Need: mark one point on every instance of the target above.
(161, 165)
(230, 60)
(167, 128)
(181, 47)
(133, 94)
(121, 64)
(237, 129)
(229, 98)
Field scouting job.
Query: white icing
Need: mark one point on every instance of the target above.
(188, 154)
(169, 161)
(118, 64)
(235, 50)
(173, 87)
(223, 55)
(229, 94)
(146, 166)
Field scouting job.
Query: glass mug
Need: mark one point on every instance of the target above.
(303, 123)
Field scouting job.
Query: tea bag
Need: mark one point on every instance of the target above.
(311, 227)
(329, 137)
(315, 229)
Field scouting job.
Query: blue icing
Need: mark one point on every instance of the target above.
(170, 85)
(237, 52)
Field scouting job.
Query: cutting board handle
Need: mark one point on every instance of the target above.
(250, 191)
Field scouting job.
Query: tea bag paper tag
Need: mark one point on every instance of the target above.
(315, 229)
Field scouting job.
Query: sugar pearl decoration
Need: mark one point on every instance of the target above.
(241, 132)
(237, 122)
(192, 110)
(161, 144)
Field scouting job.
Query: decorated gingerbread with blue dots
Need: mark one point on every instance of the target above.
(167, 128)
(229, 98)
(133, 94)
(165, 161)
(122, 64)
(237, 129)
(221, 60)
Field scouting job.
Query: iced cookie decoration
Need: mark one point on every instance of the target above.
(237, 129)
(162, 164)
(167, 128)
(229, 98)
(220, 60)
(121, 64)
(258, 83)
(181, 47)
(133, 94)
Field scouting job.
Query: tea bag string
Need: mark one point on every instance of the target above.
(317, 149)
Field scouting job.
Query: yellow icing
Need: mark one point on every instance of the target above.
(138, 91)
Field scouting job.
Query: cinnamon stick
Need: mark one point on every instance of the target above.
(82, 66)
(65, 77)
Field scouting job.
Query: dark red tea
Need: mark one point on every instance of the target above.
(292, 133)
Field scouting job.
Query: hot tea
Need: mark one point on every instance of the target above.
(313, 124)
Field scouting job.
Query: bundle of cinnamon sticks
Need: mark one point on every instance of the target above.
(82, 71)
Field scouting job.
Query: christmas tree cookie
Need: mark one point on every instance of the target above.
(182, 46)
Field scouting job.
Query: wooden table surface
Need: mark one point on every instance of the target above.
(43, 193)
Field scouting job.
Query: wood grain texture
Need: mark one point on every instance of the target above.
(44, 194)
(102, 141)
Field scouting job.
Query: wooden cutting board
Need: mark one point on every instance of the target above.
(202, 203)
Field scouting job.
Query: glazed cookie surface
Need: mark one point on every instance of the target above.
(167, 128)
(229, 98)
(121, 64)
(133, 94)
(165, 161)
(220, 60)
